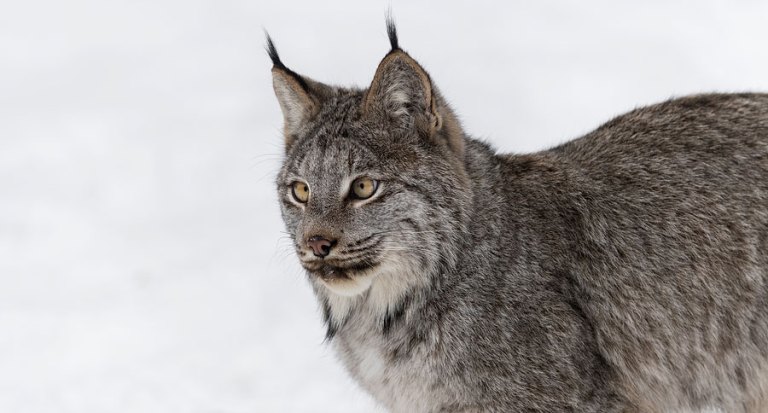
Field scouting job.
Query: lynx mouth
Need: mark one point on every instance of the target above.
(338, 271)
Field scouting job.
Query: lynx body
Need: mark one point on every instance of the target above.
(624, 271)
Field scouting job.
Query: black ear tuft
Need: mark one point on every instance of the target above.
(392, 32)
(272, 51)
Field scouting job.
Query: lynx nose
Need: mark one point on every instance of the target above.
(320, 245)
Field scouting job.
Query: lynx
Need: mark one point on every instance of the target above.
(623, 271)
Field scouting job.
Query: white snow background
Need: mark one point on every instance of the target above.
(142, 267)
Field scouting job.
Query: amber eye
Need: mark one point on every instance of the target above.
(300, 191)
(363, 188)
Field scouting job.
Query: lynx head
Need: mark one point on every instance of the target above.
(372, 188)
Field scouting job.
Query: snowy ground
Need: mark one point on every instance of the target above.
(142, 267)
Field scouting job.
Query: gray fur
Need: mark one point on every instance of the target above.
(624, 271)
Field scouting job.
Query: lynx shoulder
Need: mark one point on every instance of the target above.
(624, 271)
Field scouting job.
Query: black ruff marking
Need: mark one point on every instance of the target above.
(331, 327)
(395, 314)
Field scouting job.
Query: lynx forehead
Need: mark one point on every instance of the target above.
(624, 271)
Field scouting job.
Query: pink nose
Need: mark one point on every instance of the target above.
(320, 245)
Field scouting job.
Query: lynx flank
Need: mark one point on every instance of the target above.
(624, 271)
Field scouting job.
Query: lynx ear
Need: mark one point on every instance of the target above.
(299, 97)
(402, 89)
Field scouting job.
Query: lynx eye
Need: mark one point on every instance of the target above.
(300, 191)
(363, 188)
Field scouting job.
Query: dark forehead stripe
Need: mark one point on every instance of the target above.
(337, 110)
(303, 148)
(330, 124)
(340, 127)
(328, 150)
(323, 158)
(359, 157)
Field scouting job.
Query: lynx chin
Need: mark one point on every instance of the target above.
(623, 271)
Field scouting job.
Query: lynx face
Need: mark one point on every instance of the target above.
(356, 212)
(361, 202)
(373, 185)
